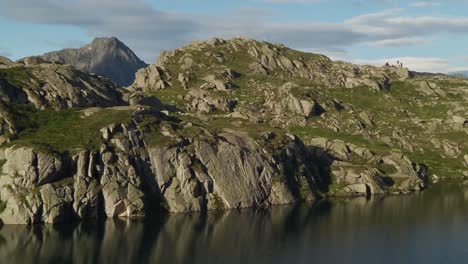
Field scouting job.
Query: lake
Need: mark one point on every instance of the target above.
(431, 227)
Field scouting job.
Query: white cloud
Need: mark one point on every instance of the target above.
(148, 30)
(415, 64)
(291, 1)
(332, 53)
(425, 4)
(398, 42)
(391, 23)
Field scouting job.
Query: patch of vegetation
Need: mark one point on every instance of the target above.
(296, 55)
(403, 89)
(386, 168)
(335, 188)
(150, 126)
(16, 75)
(311, 132)
(304, 188)
(445, 167)
(63, 130)
(173, 96)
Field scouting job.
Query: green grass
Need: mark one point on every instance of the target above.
(150, 126)
(63, 130)
(445, 167)
(16, 75)
(335, 188)
(173, 95)
(387, 168)
(296, 55)
(311, 132)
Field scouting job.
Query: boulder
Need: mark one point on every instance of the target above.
(356, 189)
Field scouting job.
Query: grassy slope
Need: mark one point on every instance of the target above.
(63, 130)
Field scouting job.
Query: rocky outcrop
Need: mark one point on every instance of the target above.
(401, 175)
(204, 102)
(48, 85)
(152, 77)
(431, 89)
(233, 172)
(126, 179)
(42, 187)
(108, 57)
(305, 107)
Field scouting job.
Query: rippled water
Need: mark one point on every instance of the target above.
(431, 227)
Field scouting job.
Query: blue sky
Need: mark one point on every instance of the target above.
(425, 35)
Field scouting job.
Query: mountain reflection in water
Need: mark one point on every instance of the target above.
(431, 227)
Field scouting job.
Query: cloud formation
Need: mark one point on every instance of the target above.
(425, 4)
(419, 64)
(291, 1)
(149, 31)
(399, 42)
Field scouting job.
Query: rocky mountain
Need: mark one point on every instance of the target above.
(223, 124)
(51, 85)
(108, 57)
(5, 61)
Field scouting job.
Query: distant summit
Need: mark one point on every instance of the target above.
(108, 57)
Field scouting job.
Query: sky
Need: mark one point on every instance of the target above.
(428, 36)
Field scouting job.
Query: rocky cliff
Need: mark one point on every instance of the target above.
(128, 176)
(108, 57)
(224, 124)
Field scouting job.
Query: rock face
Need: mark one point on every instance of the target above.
(127, 177)
(108, 57)
(367, 178)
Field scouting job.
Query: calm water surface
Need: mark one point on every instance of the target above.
(431, 227)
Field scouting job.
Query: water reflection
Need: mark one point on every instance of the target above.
(431, 227)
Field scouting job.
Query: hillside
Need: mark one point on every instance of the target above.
(310, 95)
(222, 124)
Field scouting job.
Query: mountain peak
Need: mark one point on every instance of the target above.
(107, 41)
(106, 56)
